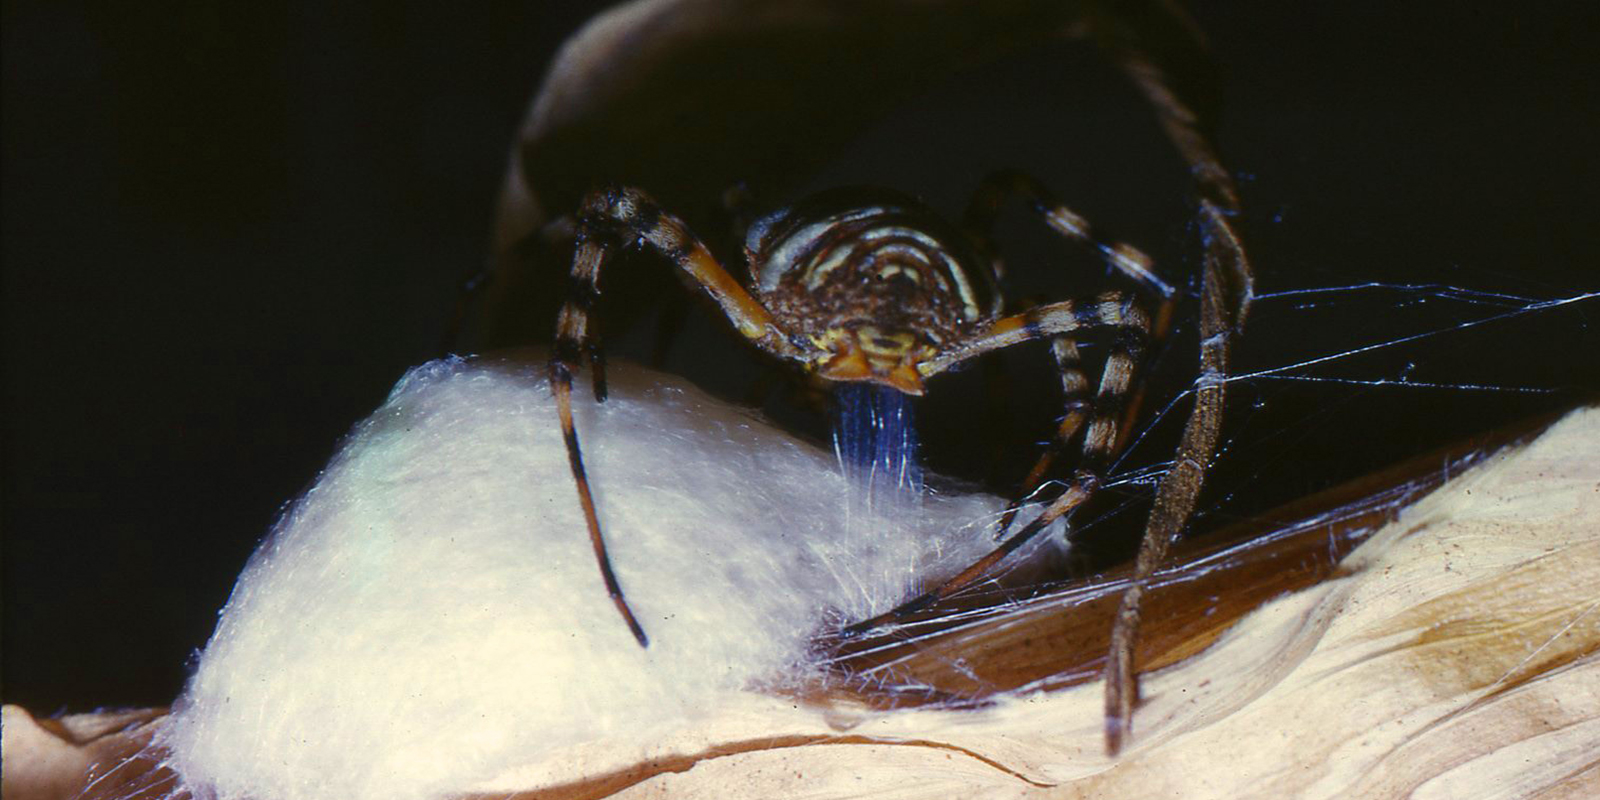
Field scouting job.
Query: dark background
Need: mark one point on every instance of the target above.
(228, 231)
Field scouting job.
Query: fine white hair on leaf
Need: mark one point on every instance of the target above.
(429, 614)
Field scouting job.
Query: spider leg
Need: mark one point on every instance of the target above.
(1039, 322)
(1225, 295)
(1076, 407)
(611, 219)
(1127, 259)
(1179, 489)
(738, 206)
(571, 345)
(1111, 310)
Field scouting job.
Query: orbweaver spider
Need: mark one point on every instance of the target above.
(864, 285)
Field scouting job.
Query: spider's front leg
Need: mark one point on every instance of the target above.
(573, 341)
(610, 220)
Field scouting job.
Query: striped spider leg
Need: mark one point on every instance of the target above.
(609, 220)
(979, 222)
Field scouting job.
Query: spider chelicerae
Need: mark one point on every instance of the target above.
(869, 286)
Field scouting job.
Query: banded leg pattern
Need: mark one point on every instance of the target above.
(573, 342)
(610, 220)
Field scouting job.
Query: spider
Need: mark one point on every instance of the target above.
(865, 285)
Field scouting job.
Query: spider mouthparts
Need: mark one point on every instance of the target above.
(868, 354)
(854, 365)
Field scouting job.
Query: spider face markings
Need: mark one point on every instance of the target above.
(862, 285)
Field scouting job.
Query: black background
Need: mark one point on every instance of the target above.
(228, 231)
